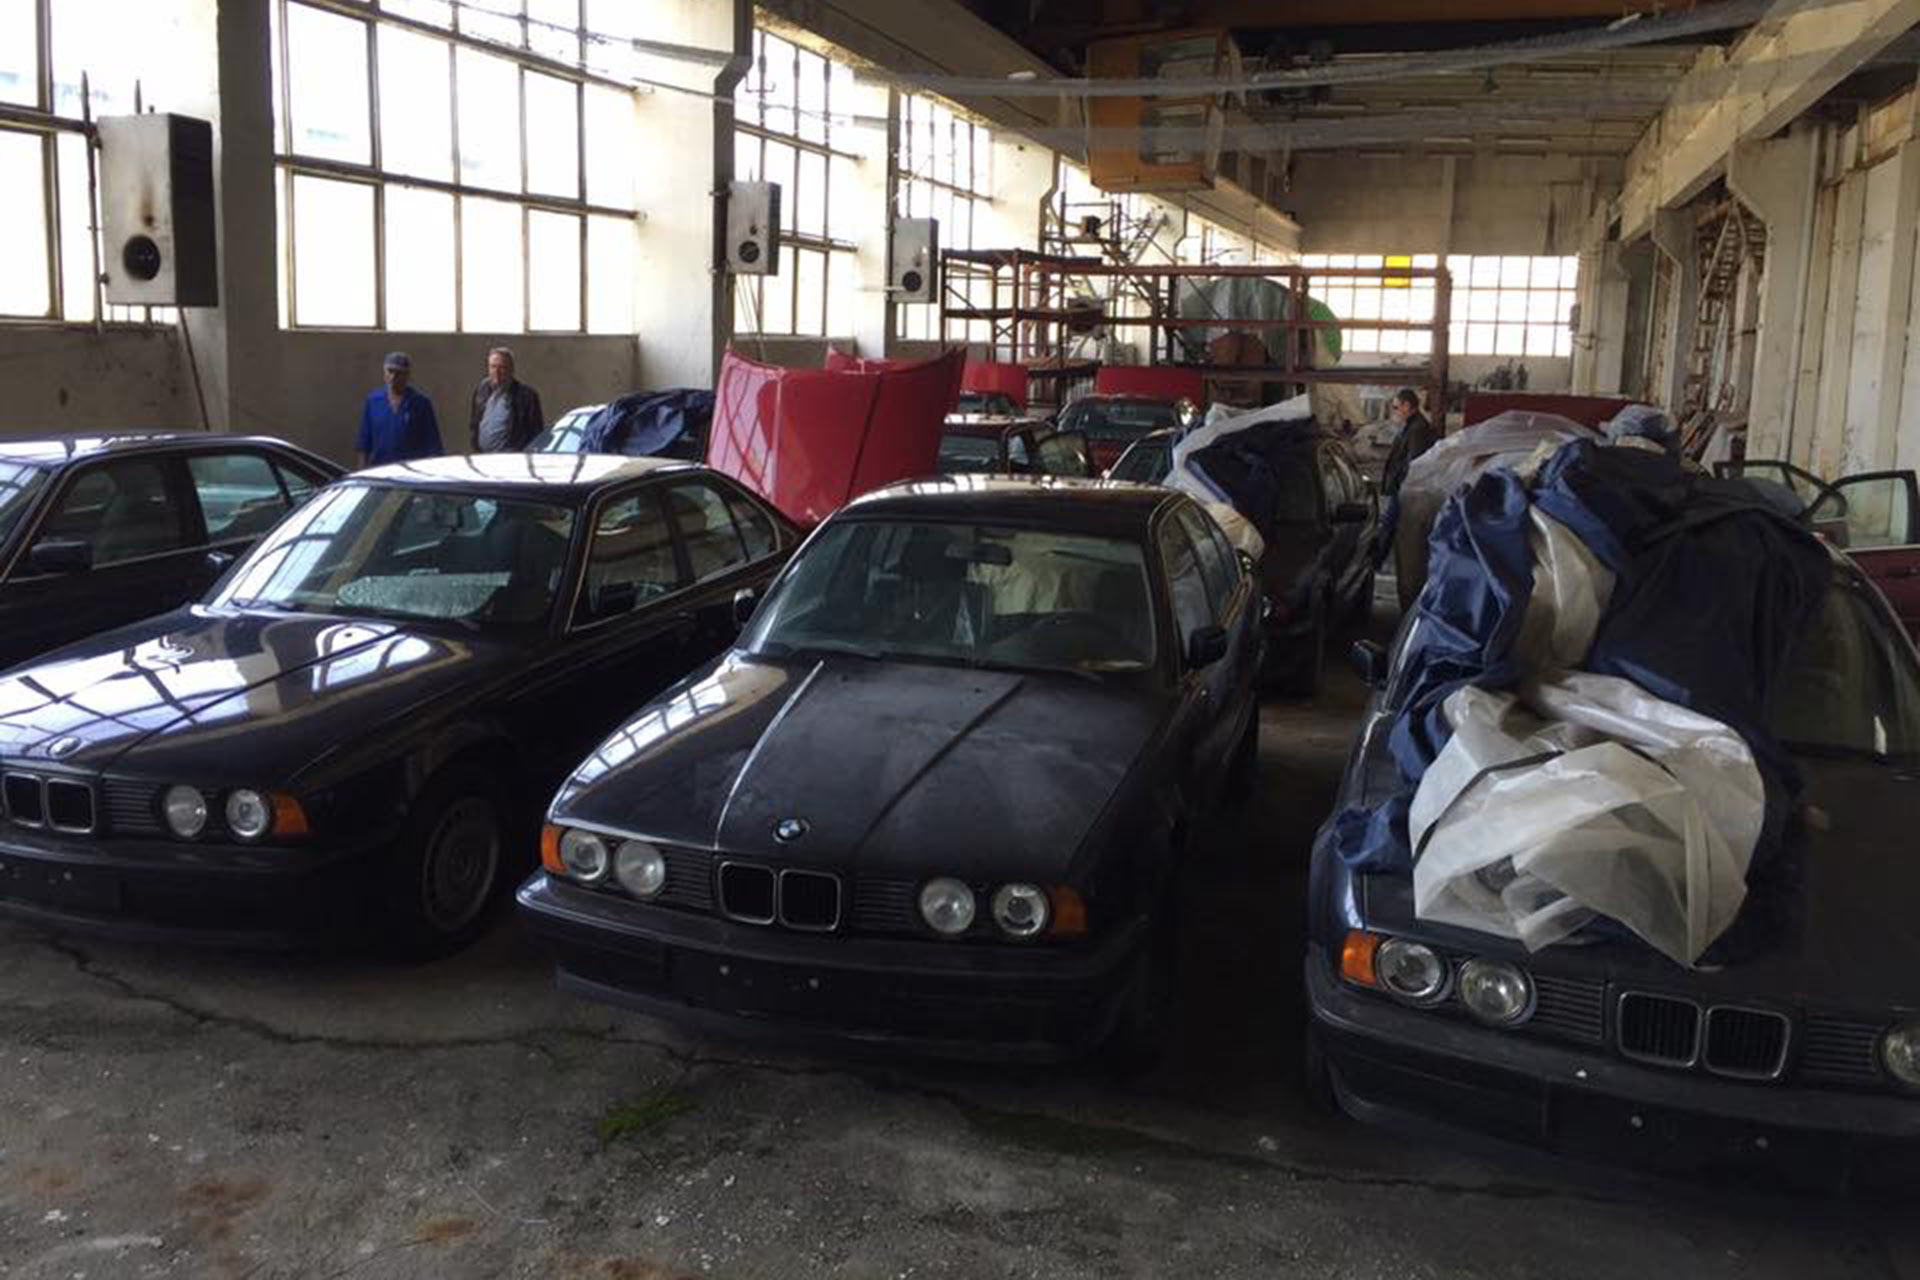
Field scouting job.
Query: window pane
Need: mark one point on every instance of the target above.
(776, 299)
(813, 97)
(746, 157)
(1540, 339)
(19, 53)
(619, 21)
(1514, 271)
(1511, 341)
(76, 234)
(332, 253)
(843, 281)
(437, 12)
(553, 271)
(779, 170)
(1483, 304)
(1513, 304)
(707, 530)
(778, 92)
(25, 286)
(809, 198)
(1479, 340)
(416, 104)
(490, 267)
(1540, 305)
(327, 71)
(489, 93)
(610, 275)
(612, 147)
(1486, 272)
(419, 260)
(114, 62)
(1569, 273)
(496, 20)
(552, 28)
(809, 292)
(553, 136)
(239, 494)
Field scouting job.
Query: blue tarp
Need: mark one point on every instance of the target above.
(648, 423)
(1713, 586)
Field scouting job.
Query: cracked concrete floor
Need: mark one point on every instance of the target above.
(167, 1113)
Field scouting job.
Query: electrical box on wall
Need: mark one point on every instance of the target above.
(753, 228)
(913, 273)
(157, 212)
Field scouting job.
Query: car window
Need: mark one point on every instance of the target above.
(1192, 609)
(1064, 454)
(1144, 463)
(239, 493)
(298, 483)
(1876, 511)
(1017, 456)
(18, 485)
(123, 509)
(631, 560)
(756, 526)
(706, 529)
(1851, 685)
(961, 455)
(1218, 568)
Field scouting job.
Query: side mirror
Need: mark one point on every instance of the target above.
(1352, 513)
(1206, 646)
(219, 562)
(1370, 663)
(745, 601)
(61, 556)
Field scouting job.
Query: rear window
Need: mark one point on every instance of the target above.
(1118, 420)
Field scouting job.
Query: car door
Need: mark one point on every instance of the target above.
(1878, 514)
(1204, 728)
(139, 518)
(1231, 596)
(1063, 453)
(723, 553)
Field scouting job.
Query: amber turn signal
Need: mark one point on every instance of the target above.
(289, 819)
(550, 849)
(1069, 913)
(1356, 958)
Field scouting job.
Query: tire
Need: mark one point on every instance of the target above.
(1243, 771)
(1139, 1036)
(1317, 1080)
(447, 868)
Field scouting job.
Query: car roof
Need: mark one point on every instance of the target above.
(1099, 397)
(556, 474)
(57, 450)
(986, 424)
(1110, 508)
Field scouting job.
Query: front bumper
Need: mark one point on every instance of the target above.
(178, 891)
(950, 999)
(1400, 1066)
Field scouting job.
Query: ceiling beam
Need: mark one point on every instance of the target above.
(1278, 14)
(1792, 58)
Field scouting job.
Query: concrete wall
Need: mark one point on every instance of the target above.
(61, 380)
(1444, 204)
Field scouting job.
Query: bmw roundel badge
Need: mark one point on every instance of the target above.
(63, 747)
(787, 830)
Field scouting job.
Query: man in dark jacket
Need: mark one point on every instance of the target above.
(506, 411)
(1416, 437)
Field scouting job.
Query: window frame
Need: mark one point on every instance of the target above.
(290, 164)
(1360, 336)
(179, 486)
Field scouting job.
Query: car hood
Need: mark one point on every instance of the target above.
(201, 692)
(890, 766)
(1830, 922)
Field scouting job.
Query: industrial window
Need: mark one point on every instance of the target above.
(455, 167)
(50, 266)
(945, 172)
(1500, 305)
(785, 133)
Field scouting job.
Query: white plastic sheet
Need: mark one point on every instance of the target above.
(1581, 794)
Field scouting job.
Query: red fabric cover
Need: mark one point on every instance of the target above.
(811, 440)
(1009, 379)
(1589, 411)
(1153, 382)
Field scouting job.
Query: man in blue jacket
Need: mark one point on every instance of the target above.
(397, 424)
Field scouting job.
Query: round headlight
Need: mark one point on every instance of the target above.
(1496, 992)
(248, 814)
(1900, 1051)
(1413, 971)
(1020, 909)
(947, 906)
(186, 811)
(640, 868)
(584, 855)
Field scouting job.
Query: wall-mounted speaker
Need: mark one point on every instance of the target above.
(913, 273)
(753, 228)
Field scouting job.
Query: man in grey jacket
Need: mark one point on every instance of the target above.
(506, 411)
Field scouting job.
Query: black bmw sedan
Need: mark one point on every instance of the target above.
(99, 531)
(365, 717)
(936, 792)
(1800, 1049)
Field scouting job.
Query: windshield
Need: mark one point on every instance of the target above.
(1145, 463)
(994, 402)
(18, 484)
(1852, 688)
(960, 454)
(386, 551)
(979, 595)
(565, 435)
(1118, 419)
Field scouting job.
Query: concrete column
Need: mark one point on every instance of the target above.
(1836, 348)
(1779, 180)
(867, 185)
(1673, 236)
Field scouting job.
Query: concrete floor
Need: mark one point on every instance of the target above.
(203, 1114)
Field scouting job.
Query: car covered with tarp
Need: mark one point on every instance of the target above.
(641, 424)
(1613, 865)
